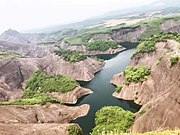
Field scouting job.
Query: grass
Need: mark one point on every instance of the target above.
(137, 74)
(112, 118)
(71, 56)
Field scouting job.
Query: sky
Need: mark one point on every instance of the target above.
(34, 14)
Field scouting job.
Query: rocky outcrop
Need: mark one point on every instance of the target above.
(51, 119)
(128, 34)
(159, 95)
(171, 26)
(14, 73)
(34, 129)
(71, 97)
(81, 71)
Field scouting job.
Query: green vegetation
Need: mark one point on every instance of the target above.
(118, 89)
(149, 44)
(174, 60)
(71, 56)
(102, 45)
(74, 129)
(112, 118)
(9, 54)
(137, 74)
(40, 85)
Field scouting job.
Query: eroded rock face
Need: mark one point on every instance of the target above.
(71, 97)
(52, 113)
(128, 35)
(26, 120)
(159, 95)
(171, 26)
(14, 73)
(34, 129)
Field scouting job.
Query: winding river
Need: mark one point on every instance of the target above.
(103, 90)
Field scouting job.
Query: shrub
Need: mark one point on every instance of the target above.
(113, 118)
(118, 89)
(174, 60)
(137, 74)
(102, 45)
(74, 130)
(71, 56)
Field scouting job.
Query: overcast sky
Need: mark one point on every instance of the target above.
(31, 14)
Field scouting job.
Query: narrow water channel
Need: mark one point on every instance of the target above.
(103, 90)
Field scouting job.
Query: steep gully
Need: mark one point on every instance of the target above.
(102, 89)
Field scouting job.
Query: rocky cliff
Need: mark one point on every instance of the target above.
(159, 95)
(50, 119)
(14, 72)
(171, 26)
(128, 34)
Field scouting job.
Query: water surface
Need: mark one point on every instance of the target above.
(103, 90)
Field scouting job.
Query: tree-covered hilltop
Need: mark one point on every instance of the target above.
(38, 87)
(112, 118)
(71, 56)
(101, 45)
(149, 44)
